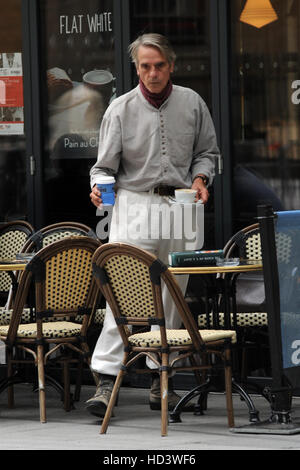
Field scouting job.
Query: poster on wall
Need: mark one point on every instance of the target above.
(80, 74)
(11, 94)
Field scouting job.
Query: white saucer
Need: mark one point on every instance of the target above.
(186, 203)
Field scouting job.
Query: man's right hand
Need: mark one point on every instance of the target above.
(95, 196)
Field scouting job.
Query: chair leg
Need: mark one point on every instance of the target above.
(198, 376)
(10, 389)
(244, 364)
(202, 400)
(112, 401)
(164, 393)
(41, 378)
(78, 380)
(228, 388)
(164, 402)
(67, 400)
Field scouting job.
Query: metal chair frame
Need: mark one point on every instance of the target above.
(142, 274)
(56, 231)
(64, 288)
(24, 230)
(246, 244)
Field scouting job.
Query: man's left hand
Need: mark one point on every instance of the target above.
(202, 191)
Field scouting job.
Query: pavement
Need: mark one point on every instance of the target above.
(134, 427)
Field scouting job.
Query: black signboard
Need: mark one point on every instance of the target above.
(80, 74)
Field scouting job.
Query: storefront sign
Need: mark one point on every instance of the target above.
(11, 94)
(96, 23)
(80, 75)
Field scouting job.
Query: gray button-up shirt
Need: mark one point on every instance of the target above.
(145, 147)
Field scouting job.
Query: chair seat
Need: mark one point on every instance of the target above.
(58, 329)
(178, 337)
(243, 319)
(98, 317)
(28, 314)
(5, 315)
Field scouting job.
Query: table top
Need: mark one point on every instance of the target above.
(244, 266)
(17, 265)
(12, 265)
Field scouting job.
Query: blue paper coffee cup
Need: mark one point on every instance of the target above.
(106, 185)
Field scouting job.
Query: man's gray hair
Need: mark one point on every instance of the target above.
(158, 41)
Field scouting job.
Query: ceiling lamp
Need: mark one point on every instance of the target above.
(258, 13)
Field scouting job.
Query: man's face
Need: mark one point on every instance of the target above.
(153, 68)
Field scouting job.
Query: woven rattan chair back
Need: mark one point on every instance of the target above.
(62, 274)
(65, 289)
(250, 296)
(13, 236)
(250, 305)
(245, 244)
(130, 279)
(54, 232)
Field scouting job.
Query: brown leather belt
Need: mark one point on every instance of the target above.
(164, 190)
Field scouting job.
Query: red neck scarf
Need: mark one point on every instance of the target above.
(156, 99)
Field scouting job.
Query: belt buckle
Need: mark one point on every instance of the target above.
(161, 190)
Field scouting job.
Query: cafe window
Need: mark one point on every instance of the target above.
(13, 186)
(187, 26)
(265, 106)
(78, 67)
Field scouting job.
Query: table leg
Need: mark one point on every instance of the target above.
(212, 384)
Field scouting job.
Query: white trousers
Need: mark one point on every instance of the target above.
(130, 224)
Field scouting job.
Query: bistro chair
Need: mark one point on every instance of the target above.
(249, 298)
(130, 280)
(248, 316)
(54, 232)
(13, 236)
(249, 287)
(44, 237)
(65, 301)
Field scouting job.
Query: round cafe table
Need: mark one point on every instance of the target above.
(219, 284)
(12, 265)
(244, 266)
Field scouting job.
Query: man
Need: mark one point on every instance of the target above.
(153, 139)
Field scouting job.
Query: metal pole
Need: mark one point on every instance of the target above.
(280, 393)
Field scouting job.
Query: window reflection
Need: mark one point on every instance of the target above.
(79, 70)
(13, 186)
(266, 115)
(186, 24)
